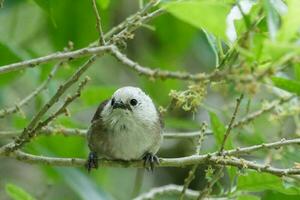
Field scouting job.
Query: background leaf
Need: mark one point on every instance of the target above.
(219, 130)
(287, 85)
(210, 15)
(258, 181)
(17, 193)
(7, 56)
(272, 18)
(103, 3)
(290, 21)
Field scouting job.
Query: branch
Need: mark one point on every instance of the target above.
(218, 173)
(51, 130)
(61, 110)
(230, 125)
(258, 113)
(140, 17)
(24, 137)
(156, 73)
(171, 189)
(164, 162)
(191, 174)
(17, 107)
(55, 56)
(98, 24)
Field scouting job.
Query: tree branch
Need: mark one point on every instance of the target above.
(191, 174)
(169, 135)
(230, 125)
(258, 113)
(98, 24)
(212, 159)
(156, 73)
(55, 56)
(171, 189)
(24, 137)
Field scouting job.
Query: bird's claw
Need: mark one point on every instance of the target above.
(92, 161)
(150, 160)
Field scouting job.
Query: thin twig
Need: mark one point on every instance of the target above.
(43, 86)
(208, 188)
(61, 110)
(98, 24)
(230, 125)
(23, 138)
(219, 169)
(156, 193)
(191, 174)
(264, 110)
(55, 56)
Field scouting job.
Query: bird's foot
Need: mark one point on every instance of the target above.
(150, 160)
(92, 161)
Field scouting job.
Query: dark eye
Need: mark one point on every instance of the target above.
(133, 102)
(113, 101)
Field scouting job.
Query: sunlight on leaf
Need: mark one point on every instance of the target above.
(290, 21)
(272, 18)
(210, 15)
(103, 3)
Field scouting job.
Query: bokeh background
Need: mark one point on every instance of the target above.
(29, 29)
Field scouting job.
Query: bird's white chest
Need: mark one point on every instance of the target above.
(127, 139)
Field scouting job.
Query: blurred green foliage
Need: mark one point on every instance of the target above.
(192, 36)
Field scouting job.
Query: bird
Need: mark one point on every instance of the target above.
(127, 127)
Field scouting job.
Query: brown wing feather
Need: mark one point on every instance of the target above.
(99, 110)
(96, 127)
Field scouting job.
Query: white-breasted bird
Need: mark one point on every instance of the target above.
(125, 127)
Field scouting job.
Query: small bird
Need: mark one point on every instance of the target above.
(125, 127)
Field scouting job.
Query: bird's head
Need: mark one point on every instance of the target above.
(130, 104)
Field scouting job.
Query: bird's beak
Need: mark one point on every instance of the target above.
(119, 104)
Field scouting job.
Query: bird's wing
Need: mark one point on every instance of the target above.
(97, 114)
(96, 128)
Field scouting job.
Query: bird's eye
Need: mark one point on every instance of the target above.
(112, 101)
(133, 102)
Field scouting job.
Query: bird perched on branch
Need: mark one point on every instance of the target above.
(125, 127)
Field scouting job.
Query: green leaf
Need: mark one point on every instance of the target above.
(46, 6)
(219, 130)
(297, 71)
(210, 15)
(82, 184)
(212, 41)
(248, 197)
(258, 181)
(290, 21)
(273, 18)
(103, 3)
(271, 195)
(8, 55)
(276, 50)
(287, 84)
(17, 193)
